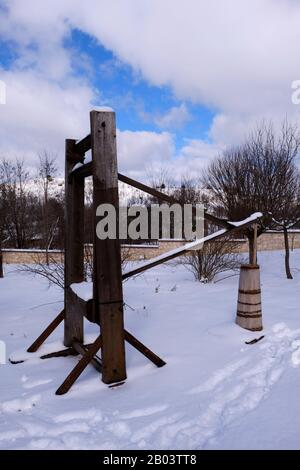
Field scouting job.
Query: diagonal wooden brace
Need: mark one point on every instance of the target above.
(143, 349)
(82, 349)
(47, 332)
(80, 366)
(74, 350)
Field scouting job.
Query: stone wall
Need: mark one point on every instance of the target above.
(140, 252)
(131, 252)
(272, 240)
(11, 256)
(267, 241)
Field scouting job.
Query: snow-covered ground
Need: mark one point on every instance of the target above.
(215, 391)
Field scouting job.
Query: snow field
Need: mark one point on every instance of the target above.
(214, 392)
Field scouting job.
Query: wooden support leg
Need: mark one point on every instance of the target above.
(82, 349)
(74, 350)
(80, 366)
(143, 349)
(47, 332)
(63, 353)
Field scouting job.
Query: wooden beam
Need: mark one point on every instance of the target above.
(74, 247)
(80, 366)
(82, 349)
(107, 276)
(86, 170)
(83, 171)
(47, 332)
(83, 145)
(183, 250)
(62, 353)
(143, 349)
(171, 200)
(1, 262)
(255, 244)
(72, 351)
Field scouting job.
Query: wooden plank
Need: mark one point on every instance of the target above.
(254, 261)
(80, 366)
(83, 145)
(74, 247)
(1, 262)
(62, 353)
(143, 349)
(47, 332)
(72, 351)
(253, 341)
(83, 171)
(86, 170)
(82, 349)
(171, 200)
(108, 293)
(182, 251)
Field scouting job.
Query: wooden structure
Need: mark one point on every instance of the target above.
(106, 306)
(249, 315)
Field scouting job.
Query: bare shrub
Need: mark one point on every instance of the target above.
(54, 271)
(125, 256)
(214, 258)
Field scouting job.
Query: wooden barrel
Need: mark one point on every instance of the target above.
(249, 299)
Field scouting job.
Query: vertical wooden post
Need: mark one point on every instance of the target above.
(74, 246)
(108, 292)
(255, 244)
(252, 240)
(1, 262)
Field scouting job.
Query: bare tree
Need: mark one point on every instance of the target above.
(46, 171)
(159, 178)
(20, 204)
(288, 214)
(188, 192)
(252, 177)
(2, 220)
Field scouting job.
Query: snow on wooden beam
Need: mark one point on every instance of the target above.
(195, 245)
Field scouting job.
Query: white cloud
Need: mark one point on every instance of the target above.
(238, 57)
(175, 118)
(137, 151)
(199, 150)
(41, 114)
(192, 158)
(45, 102)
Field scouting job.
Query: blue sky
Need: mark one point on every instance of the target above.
(134, 99)
(185, 83)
